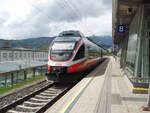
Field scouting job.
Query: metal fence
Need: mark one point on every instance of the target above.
(140, 80)
(22, 54)
(9, 79)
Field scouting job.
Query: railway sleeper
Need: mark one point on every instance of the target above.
(38, 100)
(22, 108)
(14, 111)
(44, 97)
(46, 94)
(33, 104)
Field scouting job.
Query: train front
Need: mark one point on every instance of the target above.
(61, 52)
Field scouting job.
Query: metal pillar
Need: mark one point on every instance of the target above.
(12, 79)
(148, 99)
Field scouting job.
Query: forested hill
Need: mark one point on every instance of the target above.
(43, 42)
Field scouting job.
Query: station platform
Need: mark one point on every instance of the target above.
(103, 91)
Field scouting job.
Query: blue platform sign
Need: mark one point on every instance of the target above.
(121, 28)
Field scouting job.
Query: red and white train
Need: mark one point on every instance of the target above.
(70, 53)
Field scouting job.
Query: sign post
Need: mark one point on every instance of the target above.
(148, 99)
(147, 108)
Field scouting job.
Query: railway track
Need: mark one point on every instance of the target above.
(38, 101)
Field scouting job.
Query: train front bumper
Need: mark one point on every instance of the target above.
(65, 77)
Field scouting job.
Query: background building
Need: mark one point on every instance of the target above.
(22, 54)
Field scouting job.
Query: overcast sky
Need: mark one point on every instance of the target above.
(21, 19)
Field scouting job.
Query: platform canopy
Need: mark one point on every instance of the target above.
(122, 15)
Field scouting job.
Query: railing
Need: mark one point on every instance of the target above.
(140, 80)
(9, 79)
(17, 54)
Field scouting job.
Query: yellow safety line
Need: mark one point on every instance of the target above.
(145, 89)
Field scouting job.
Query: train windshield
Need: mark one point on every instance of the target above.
(63, 47)
(62, 50)
(67, 38)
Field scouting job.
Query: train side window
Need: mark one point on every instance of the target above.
(81, 53)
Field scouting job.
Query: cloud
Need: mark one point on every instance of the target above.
(72, 10)
(3, 17)
(48, 17)
(108, 3)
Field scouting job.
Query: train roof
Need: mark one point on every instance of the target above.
(71, 33)
(78, 34)
(97, 44)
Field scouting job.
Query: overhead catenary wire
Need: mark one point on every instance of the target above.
(77, 13)
(62, 6)
(65, 4)
(72, 7)
(69, 7)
